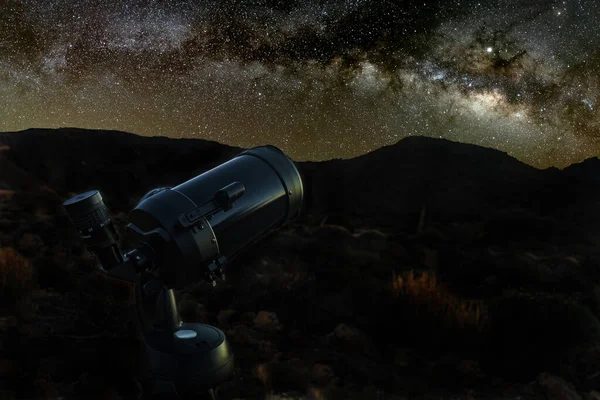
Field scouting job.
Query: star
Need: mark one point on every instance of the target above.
(321, 79)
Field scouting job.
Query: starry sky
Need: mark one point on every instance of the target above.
(320, 79)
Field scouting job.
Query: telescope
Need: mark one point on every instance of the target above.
(180, 235)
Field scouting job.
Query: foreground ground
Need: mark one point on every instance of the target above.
(322, 310)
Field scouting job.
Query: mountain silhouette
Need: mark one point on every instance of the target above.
(386, 187)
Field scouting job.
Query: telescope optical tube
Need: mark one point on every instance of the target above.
(205, 221)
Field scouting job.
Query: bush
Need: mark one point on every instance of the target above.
(428, 297)
(435, 319)
(16, 274)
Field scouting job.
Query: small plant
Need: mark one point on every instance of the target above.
(16, 274)
(428, 298)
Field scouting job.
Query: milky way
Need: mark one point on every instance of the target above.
(320, 79)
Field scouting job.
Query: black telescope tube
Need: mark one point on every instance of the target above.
(273, 195)
(213, 216)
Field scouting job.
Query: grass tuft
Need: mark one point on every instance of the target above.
(429, 299)
(16, 274)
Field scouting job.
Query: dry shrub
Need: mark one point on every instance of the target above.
(430, 299)
(16, 274)
(6, 193)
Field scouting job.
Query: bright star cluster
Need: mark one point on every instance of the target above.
(320, 79)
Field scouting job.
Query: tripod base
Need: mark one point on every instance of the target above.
(190, 361)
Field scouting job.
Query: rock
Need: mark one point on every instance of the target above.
(530, 389)
(202, 314)
(26, 309)
(298, 337)
(372, 240)
(267, 348)
(188, 297)
(5, 367)
(338, 219)
(444, 371)
(48, 189)
(556, 388)
(593, 395)
(435, 235)
(242, 334)
(497, 252)
(353, 338)
(470, 371)
(292, 241)
(8, 394)
(267, 322)
(88, 260)
(224, 317)
(332, 234)
(290, 375)
(6, 240)
(496, 382)
(33, 330)
(60, 257)
(247, 318)
(532, 256)
(6, 193)
(397, 251)
(322, 374)
(490, 283)
(187, 307)
(336, 305)
(572, 260)
(404, 357)
(8, 323)
(30, 241)
(262, 373)
(48, 387)
(429, 257)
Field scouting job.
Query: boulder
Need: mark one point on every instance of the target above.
(267, 322)
(322, 374)
(352, 338)
(224, 317)
(556, 388)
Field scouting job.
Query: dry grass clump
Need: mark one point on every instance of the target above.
(430, 299)
(16, 274)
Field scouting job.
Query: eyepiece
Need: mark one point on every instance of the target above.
(92, 220)
(83, 203)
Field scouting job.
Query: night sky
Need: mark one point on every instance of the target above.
(319, 79)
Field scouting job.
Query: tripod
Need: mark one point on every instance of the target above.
(180, 360)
